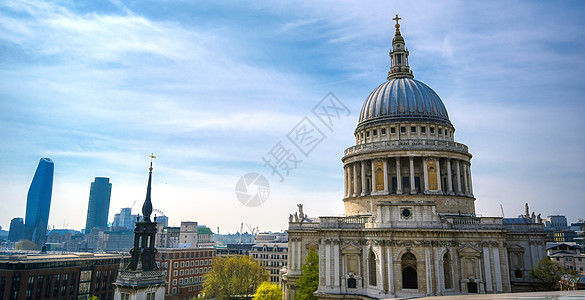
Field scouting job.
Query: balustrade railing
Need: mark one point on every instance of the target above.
(406, 144)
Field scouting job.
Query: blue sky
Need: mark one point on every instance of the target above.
(211, 88)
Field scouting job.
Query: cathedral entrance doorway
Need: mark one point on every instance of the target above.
(472, 287)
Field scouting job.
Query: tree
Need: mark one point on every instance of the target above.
(26, 245)
(548, 273)
(309, 279)
(268, 291)
(233, 276)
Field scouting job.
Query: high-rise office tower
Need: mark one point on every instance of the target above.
(16, 232)
(38, 202)
(99, 204)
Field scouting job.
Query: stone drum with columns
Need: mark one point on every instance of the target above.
(410, 227)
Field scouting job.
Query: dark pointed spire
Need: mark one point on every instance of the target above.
(147, 206)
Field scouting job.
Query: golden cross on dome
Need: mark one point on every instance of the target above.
(397, 25)
(396, 19)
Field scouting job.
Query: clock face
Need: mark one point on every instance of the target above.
(406, 213)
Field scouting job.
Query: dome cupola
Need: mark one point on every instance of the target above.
(402, 98)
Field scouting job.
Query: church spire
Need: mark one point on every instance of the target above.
(399, 55)
(147, 206)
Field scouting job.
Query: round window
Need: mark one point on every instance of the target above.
(406, 212)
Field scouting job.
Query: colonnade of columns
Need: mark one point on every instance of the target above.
(420, 175)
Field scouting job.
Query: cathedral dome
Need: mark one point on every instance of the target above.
(403, 99)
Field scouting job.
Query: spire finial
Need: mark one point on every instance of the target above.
(397, 18)
(147, 206)
(151, 158)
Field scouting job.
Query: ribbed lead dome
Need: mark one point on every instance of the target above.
(403, 99)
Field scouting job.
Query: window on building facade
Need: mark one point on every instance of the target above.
(403, 129)
(375, 132)
(124, 296)
(392, 130)
(383, 131)
(432, 129)
(423, 129)
(150, 296)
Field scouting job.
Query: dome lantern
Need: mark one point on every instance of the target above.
(399, 55)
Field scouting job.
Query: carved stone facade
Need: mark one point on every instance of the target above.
(410, 228)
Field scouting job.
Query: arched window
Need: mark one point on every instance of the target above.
(372, 268)
(409, 274)
(447, 271)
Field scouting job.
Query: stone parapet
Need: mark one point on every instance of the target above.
(417, 144)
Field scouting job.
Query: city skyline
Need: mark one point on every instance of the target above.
(212, 88)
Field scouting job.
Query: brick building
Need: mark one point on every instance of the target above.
(184, 270)
(58, 276)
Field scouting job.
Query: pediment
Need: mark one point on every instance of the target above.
(515, 248)
(350, 249)
(468, 250)
(313, 245)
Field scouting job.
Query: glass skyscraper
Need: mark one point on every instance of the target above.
(38, 203)
(99, 204)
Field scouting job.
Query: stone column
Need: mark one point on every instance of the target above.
(466, 191)
(364, 188)
(390, 270)
(328, 264)
(355, 180)
(386, 183)
(346, 180)
(488, 269)
(458, 169)
(380, 272)
(449, 178)
(439, 182)
(439, 272)
(412, 187)
(426, 175)
(497, 269)
(299, 254)
(429, 279)
(336, 267)
(469, 178)
(398, 177)
(373, 178)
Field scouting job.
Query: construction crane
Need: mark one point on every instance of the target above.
(253, 231)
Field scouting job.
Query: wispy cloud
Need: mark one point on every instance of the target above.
(211, 88)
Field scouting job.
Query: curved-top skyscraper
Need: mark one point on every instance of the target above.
(38, 202)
